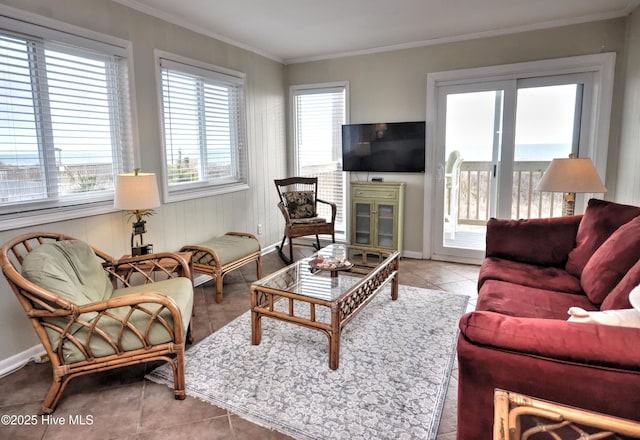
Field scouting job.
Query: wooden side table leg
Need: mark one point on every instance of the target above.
(334, 338)
(394, 287)
(256, 320)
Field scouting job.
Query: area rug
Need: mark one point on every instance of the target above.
(395, 364)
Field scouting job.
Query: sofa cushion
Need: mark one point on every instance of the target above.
(528, 302)
(619, 296)
(611, 261)
(549, 278)
(541, 241)
(600, 220)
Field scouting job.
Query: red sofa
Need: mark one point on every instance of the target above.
(519, 339)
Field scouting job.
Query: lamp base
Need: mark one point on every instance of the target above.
(142, 250)
(569, 207)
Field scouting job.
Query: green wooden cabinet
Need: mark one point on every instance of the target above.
(377, 210)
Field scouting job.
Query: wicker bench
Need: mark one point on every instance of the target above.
(220, 255)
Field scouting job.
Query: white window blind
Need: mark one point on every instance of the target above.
(319, 113)
(64, 122)
(204, 130)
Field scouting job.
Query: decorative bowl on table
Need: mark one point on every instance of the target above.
(330, 263)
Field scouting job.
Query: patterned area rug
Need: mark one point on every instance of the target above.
(395, 363)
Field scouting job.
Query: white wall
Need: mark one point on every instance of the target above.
(628, 182)
(179, 223)
(391, 86)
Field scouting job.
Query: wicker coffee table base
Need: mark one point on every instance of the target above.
(343, 309)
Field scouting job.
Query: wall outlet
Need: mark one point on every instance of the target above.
(259, 228)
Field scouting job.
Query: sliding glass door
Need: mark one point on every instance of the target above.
(493, 142)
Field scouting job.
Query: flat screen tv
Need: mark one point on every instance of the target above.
(386, 147)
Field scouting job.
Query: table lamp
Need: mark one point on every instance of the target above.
(571, 176)
(138, 193)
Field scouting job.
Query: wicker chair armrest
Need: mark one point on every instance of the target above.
(334, 209)
(169, 263)
(135, 302)
(132, 300)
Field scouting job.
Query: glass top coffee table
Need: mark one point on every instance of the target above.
(298, 293)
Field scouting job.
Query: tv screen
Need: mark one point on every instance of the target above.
(385, 147)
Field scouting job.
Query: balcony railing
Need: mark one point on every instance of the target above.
(475, 190)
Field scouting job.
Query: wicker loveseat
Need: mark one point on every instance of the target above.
(94, 313)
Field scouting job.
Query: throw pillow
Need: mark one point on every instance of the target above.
(619, 297)
(621, 318)
(300, 204)
(600, 220)
(611, 261)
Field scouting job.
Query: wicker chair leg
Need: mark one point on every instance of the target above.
(317, 245)
(53, 396)
(259, 267)
(280, 250)
(178, 376)
(290, 250)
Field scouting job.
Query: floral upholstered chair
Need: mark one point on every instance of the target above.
(94, 313)
(298, 205)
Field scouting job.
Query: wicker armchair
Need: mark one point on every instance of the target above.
(298, 205)
(93, 313)
(520, 417)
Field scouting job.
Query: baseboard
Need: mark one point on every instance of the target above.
(412, 254)
(17, 361)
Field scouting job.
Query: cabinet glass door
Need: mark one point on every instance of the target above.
(363, 223)
(385, 225)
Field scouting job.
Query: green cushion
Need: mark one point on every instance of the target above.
(180, 289)
(70, 269)
(230, 248)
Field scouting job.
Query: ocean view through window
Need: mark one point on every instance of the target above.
(64, 123)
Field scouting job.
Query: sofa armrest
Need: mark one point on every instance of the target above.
(581, 343)
(545, 241)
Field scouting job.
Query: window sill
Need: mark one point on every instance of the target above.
(196, 193)
(41, 217)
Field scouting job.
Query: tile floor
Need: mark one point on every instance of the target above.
(124, 405)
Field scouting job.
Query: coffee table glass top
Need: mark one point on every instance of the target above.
(301, 279)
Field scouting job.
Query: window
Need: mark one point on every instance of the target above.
(319, 113)
(64, 123)
(203, 119)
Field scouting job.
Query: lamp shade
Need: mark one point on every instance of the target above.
(136, 191)
(574, 175)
